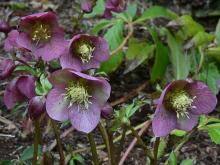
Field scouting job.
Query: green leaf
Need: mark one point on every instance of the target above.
(217, 33)
(6, 162)
(28, 153)
(172, 159)
(97, 10)
(210, 75)
(114, 37)
(161, 58)
(161, 148)
(214, 52)
(155, 12)
(214, 134)
(137, 53)
(187, 162)
(44, 86)
(101, 25)
(77, 158)
(179, 133)
(27, 69)
(18, 6)
(180, 61)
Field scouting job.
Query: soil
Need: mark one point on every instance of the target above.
(200, 148)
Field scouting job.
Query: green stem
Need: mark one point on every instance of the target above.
(59, 144)
(156, 147)
(93, 149)
(121, 144)
(106, 140)
(112, 148)
(179, 146)
(36, 141)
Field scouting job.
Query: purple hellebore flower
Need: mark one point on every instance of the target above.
(7, 66)
(19, 89)
(106, 111)
(87, 6)
(41, 34)
(77, 97)
(179, 106)
(115, 6)
(85, 52)
(36, 106)
(10, 44)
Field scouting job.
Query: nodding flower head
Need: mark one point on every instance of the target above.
(77, 97)
(40, 34)
(85, 52)
(180, 104)
(115, 6)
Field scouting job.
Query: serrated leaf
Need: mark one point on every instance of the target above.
(187, 162)
(172, 159)
(161, 58)
(180, 61)
(44, 86)
(114, 37)
(28, 153)
(101, 25)
(137, 53)
(210, 75)
(161, 148)
(214, 135)
(25, 68)
(97, 10)
(155, 12)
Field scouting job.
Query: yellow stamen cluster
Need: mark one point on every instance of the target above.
(180, 101)
(85, 52)
(41, 32)
(77, 93)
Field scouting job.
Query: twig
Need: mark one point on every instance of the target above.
(130, 95)
(133, 143)
(64, 134)
(7, 135)
(130, 33)
(59, 144)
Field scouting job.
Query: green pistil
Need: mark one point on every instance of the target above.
(180, 101)
(85, 52)
(77, 93)
(41, 32)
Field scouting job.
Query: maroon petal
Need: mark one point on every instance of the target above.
(106, 111)
(164, 121)
(86, 6)
(57, 105)
(205, 101)
(24, 41)
(6, 68)
(12, 95)
(54, 48)
(187, 123)
(67, 60)
(36, 106)
(26, 86)
(10, 43)
(85, 120)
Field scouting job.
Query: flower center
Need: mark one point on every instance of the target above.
(77, 93)
(41, 32)
(85, 52)
(180, 102)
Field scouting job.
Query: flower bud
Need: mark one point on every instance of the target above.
(36, 106)
(106, 111)
(87, 7)
(4, 27)
(7, 66)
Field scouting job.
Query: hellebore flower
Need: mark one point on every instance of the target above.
(115, 6)
(179, 106)
(7, 66)
(41, 34)
(106, 111)
(36, 106)
(77, 97)
(19, 89)
(85, 52)
(10, 44)
(87, 6)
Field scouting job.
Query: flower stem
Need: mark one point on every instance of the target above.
(93, 149)
(59, 144)
(156, 147)
(106, 140)
(121, 144)
(112, 148)
(36, 141)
